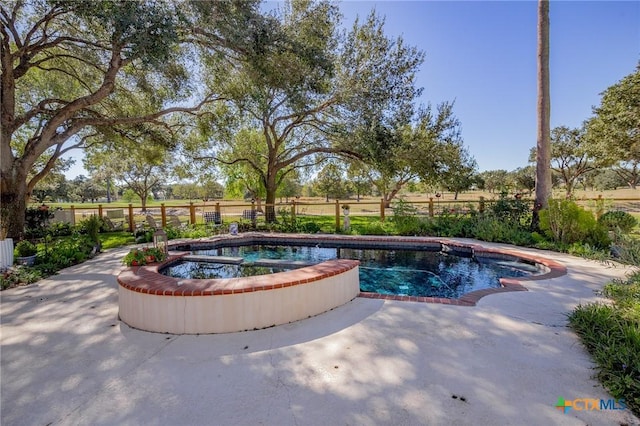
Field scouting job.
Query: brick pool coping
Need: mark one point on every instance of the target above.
(146, 279)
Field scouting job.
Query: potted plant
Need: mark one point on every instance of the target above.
(26, 252)
(139, 257)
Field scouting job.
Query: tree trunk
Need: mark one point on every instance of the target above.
(543, 152)
(271, 188)
(13, 203)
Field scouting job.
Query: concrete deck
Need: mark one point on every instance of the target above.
(66, 359)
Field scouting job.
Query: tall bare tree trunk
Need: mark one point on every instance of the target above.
(543, 152)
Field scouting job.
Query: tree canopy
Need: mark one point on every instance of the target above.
(72, 69)
(614, 131)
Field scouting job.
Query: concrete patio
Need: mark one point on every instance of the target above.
(66, 359)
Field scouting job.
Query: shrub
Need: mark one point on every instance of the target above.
(494, 229)
(618, 219)
(514, 211)
(448, 225)
(25, 248)
(60, 229)
(36, 222)
(626, 249)
(61, 253)
(566, 223)
(143, 235)
(373, 228)
(612, 336)
(92, 226)
(310, 227)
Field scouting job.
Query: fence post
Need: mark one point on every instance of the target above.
(192, 213)
(430, 206)
(73, 214)
(254, 215)
(99, 210)
(163, 214)
(481, 205)
(381, 209)
(337, 216)
(218, 207)
(293, 210)
(131, 227)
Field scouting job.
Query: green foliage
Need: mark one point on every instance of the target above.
(626, 249)
(493, 228)
(25, 248)
(625, 293)
(611, 334)
(194, 232)
(92, 227)
(618, 219)
(449, 225)
(566, 223)
(63, 252)
(513, 211)
(614, 131)
(116, 239)
(143, 235)
(139, 257)
(19, 276)
(374, 228)
(60, 229)
(129, 196)
(36, 222)
(406, 220)
(310, 228)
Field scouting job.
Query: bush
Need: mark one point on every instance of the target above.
(92, 226)
(514, 211)
(626, 249)
(566, 223)
(448, 225)
(64, 252)
(617, 219)
(36, 222)
(373, 228)
(60, 229)
(612, 336)
(143, 235)
(310, 227)
(495, 229)
(25, 248)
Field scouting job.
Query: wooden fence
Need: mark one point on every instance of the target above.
(132, 216)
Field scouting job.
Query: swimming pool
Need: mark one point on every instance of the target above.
(420, 271)
(151, 301)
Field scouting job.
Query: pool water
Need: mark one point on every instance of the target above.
(397, 272)
(208, 270)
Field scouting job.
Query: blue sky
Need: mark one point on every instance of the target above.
(483, 55)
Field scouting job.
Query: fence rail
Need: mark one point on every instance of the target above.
(133, 216)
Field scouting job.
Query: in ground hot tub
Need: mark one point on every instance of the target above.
(154, 302)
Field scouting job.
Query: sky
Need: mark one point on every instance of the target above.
(482, 56)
